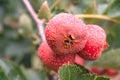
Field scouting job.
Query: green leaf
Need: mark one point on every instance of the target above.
(2, 75)
(101, 78)
(102, 5)
(113, 8)
(92, 77)
(113, 36)
(110, 59)
(44, 11)
(87, 77)
(77, 72)
(71, 72)
(11, 70)
(18, 48)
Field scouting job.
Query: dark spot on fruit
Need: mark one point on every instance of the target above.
(70, 37)
(66, 41)
(69, 40)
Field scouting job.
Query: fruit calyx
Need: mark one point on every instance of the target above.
(68, 41)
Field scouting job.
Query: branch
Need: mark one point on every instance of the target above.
(97, 17)
(38, 22)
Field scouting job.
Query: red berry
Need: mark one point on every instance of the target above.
(52, 60)
(66, 34)
(96, 70)
(110, 72)
(96, 42)
(79, 60)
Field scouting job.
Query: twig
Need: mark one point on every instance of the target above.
(38, 22)
(97, 17)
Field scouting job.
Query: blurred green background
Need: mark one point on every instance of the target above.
(19, 37)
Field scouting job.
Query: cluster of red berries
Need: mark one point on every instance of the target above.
(68, 36)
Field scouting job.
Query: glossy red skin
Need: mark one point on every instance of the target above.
(96, 42)
(79, 60)
(59, 28)
(52, 60)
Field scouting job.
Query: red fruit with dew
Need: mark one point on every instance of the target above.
(66, 34)
(52, 60)
(96, 42)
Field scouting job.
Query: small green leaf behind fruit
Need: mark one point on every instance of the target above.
(71, 72)
(77, 72)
